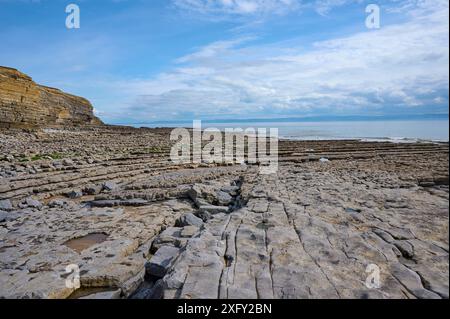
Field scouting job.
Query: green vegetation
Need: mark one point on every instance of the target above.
(56, 156)
(38, 157)
(153, 149)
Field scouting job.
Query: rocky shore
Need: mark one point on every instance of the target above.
(110, 201)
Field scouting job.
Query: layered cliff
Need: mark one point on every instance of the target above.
(25, 104)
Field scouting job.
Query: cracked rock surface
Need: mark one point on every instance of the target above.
(109, 201)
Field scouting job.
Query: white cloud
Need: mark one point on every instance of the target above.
(238, 7)
(323, 7)
(213, 50)
(404, 65)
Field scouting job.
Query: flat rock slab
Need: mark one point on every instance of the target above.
(189, 220)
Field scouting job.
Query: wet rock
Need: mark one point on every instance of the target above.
(150, 291)
(143, 291)
(157, 291)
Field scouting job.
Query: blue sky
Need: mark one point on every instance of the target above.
(142, 61)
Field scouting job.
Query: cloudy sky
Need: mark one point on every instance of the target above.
(141, 61)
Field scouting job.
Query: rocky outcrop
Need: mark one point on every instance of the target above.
(25, 104)
(137, 225)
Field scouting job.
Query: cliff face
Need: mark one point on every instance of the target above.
(25, 104)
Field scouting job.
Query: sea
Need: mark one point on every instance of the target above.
(398, 131)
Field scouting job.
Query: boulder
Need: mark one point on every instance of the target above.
(232, 190)
(109, 186)
(57, 203)
(199, 192)
(169, 237)
(202, 195)
(68, 162)
(92, 189)
(223, 198)
(189, 219)
(6, 205)
(29, 202)
(161, 261)
(203, 215)
(74, 194)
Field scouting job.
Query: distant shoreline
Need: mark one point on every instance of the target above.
(397, 131)
(350, 118)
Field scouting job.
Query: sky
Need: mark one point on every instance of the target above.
(141, 61)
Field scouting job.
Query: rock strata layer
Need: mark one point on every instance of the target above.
(25, 104)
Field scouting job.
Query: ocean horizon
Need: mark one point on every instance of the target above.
(370, 130)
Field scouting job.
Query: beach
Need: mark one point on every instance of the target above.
(339, 219)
